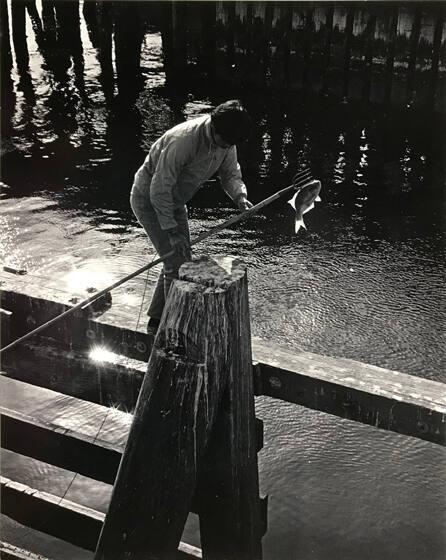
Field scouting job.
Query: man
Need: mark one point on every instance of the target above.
(178, 163)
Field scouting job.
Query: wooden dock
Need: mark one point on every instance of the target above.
(55, 404)
(391, 53)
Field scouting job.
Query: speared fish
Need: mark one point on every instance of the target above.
(303, 201)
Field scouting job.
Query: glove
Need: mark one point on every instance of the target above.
(244, 204)
(179, 244)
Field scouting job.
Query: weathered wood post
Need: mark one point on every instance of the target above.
(129, 29)
(390, 59)
(329, 14)
(368, 55)
(202, 351)
(436, 50)
(18, 13)
(6, 84)
(348, 50)
(412, 62)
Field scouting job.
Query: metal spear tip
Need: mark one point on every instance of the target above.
(300, 177)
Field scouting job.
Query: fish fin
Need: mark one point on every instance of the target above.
(299, 224)
(292, 201)
(309, 208)
(318, 199)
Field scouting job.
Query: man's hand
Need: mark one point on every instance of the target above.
(244, 204)
(180, 244)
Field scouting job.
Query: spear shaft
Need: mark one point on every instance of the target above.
(300, 181)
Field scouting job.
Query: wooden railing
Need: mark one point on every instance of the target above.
(42, 369)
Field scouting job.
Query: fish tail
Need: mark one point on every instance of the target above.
(299, 224)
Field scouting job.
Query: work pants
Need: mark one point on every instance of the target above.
(146, 215)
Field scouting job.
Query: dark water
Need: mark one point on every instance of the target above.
(366, 281)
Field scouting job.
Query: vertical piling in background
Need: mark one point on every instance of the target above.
(105, 31)
(19, 39)
(179, 42)
(368, 56)
(230, 38)
(347, 51)
(258, 43)
(18, 15)
(285, 42)
(327, 47)
(390, 55)
(6, 84)
(36, 22)
(49, 24)
(436, 48)
(414, 39)
(201, 353)
(308, 32)
(98, 17)
(90, 11)
(5, 44)
(128, 36)
(295, 37)
(208, 39)
(241, 42)
(69, 46)
(266, 49)
(280, 49)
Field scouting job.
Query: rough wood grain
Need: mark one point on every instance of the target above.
(177, 406)
(40, 435)
(228, 484)
(368, 394)
(62, 518)
(11, 552)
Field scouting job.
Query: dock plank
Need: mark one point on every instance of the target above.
(93, 449)
(10, 552)
(61, 518)
(89, 421)
(364, 393)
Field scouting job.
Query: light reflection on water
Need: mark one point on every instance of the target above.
(365, 282)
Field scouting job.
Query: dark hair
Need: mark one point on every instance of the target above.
(231, 121)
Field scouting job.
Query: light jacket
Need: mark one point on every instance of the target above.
(180, 162)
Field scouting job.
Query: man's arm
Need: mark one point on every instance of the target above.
(171, 160)
(231, 179)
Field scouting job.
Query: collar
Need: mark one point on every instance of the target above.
(210, 136)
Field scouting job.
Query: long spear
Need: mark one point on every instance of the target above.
(299, 180)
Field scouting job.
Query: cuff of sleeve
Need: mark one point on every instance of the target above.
(239, 197)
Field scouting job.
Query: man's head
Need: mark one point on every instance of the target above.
(231, 123)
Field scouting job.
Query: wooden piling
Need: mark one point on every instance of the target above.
(327, 48)
(202, 351)
(414, 39)
(308, 34)
(368, 56)
(36, 22)
(49, 23)
(18, 13)
(347, 50)
(208, 39)
(179, 42)
(5, 51)
(436, 48)
(128, 36)
(6, 84)
(390, 59)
